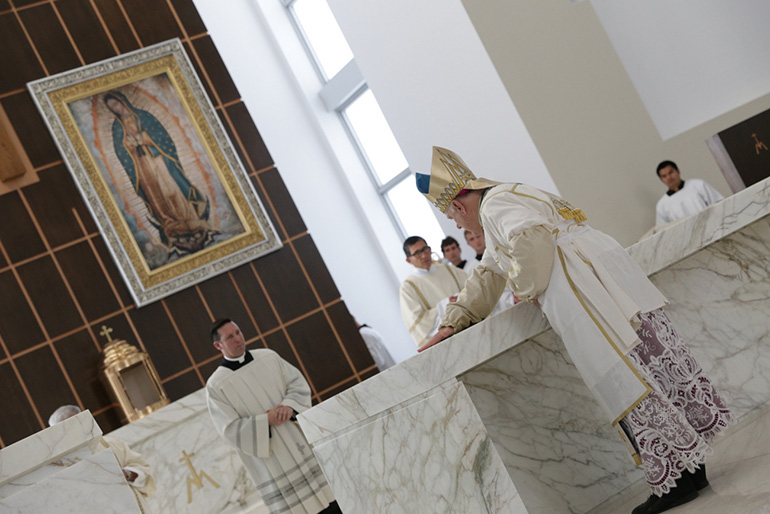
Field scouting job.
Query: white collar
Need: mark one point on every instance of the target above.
(237, 359)
(422, 271)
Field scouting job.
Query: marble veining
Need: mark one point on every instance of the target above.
(548, 429)
(695, 232)
(432, 456)
(423, 371)
(195, 470)
(96, 479)
(44, 470)
(164, 419)
(39, 449)
(720, 300)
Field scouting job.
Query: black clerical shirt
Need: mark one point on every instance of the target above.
(235, 365)
(670, 192)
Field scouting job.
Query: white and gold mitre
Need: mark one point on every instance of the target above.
(448, 176)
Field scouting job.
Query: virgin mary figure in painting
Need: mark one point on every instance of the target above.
(177, 209)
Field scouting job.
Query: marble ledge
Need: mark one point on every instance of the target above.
(39, 449)
(423, 372)
(691, 234)
(45, 470)
(164, 419)
(97, 478)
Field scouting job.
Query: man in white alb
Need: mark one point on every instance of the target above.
(424, 295)
(682, 198)
(253, 398)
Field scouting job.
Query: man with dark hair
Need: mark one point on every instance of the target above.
(409, 241)
(253, 398)
(682, 199)
(452, 252)
(424, 295)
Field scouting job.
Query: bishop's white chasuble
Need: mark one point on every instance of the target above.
(588, 286)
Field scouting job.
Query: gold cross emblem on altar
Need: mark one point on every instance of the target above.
(196, 478)
(758, 145)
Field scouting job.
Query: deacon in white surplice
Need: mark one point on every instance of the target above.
(253, 398)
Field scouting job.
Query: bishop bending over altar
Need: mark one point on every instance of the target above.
(603, 307)
(253, 398)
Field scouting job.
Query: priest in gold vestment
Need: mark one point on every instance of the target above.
(425, 294)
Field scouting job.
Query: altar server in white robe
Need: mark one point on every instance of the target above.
(423, 296)
(253, 398)
(683, 198)
(376, 346)
(604, 308)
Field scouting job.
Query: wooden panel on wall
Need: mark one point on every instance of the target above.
(29, 126)
(13, 159)
(18, 227)
(59, 284)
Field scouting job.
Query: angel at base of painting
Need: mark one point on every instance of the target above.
(177, 209)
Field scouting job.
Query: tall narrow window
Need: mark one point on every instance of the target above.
(345, 92)
(323, 35)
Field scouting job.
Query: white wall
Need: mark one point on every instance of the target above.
(437, 86)
(690, 60)
(585, 115)
(358, 245)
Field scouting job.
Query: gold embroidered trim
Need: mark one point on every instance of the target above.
(454, 277)
(424, 302)
(417, 321)
(459, 175)
(609, 340)
(573, 214)
(500, 250)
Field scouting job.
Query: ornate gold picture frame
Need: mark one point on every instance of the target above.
(156, 169)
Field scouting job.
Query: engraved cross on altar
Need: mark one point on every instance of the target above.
(196, 478)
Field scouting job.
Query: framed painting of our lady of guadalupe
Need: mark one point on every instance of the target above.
(156, 169)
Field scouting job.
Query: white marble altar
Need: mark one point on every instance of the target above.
(64, 469)
(195, 471)
(392, 439)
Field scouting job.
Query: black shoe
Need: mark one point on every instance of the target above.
(683, 492)
(698, 478)
(642, 509)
